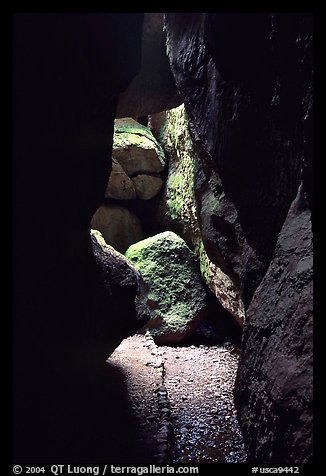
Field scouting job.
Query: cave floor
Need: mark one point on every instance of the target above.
(180, 400)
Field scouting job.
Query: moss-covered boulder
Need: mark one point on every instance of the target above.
(136, 149)
(171, 270)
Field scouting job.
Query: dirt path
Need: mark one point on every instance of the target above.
(181, 401)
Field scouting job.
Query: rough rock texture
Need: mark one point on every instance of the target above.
(129, 303)
(177, 209)
(68, 72)
(120, 186)
(170, 268)
(136, 149)
(147, 186)
(274, 381)
(246, 82)
(153, 89)
(119, 226)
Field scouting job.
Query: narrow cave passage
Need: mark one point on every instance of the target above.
(179, 370)
(193, 260)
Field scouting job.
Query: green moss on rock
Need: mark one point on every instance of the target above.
(133, 142)
(181, 208)
(170, 268)
(181, 204)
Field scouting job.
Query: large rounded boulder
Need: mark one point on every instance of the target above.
(171, 270)
(136, 149)
(119, 226)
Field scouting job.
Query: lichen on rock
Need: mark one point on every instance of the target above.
(136, 149)
(171, 270)
(180, 207)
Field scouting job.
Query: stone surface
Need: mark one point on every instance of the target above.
(129, 303)
(246, 82)
(273, 391)
(119, 226)
(153, 89)
(136, 149)
(120, 186)
(178, 210)
(243, 118)
(170, 268)
(147, 186)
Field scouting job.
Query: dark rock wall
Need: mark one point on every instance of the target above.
(249, 108)
(68, 72)
(273, 391)
(246, 82)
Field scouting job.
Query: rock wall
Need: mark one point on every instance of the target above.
(69, 70)
(153, 89)
(274, 386)
(246, 82)
(177, 209)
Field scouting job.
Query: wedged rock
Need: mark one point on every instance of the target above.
(153, 89)
(147, 186)
(127, 290)
(136, 149)
(273, 389)
(171, 270)
(120, 186)
(119, 226)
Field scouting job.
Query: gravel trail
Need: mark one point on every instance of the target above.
(181, 401)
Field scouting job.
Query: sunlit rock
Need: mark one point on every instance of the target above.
(120, 186)
(171, 270)
(136, 149)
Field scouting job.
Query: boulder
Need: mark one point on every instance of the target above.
(120, 186)
(147, 186)
(136, 149)
(119, 226)
(129, 306)
(171, 270)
